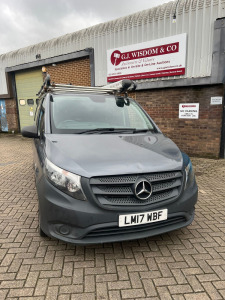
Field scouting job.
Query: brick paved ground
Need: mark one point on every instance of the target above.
(185, 264)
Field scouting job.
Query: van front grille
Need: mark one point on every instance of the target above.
(119, 190)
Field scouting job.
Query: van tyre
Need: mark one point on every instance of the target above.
(41, 232)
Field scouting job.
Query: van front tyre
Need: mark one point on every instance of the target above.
(41, 232)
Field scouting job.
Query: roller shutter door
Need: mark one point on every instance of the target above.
(28, 83)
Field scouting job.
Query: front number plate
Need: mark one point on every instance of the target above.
(143, 218)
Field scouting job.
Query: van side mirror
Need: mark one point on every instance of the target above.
(30, 131)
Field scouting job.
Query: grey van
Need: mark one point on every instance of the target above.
(104, 171)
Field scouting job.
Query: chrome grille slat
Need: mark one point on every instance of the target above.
(108, 190)
(132, 178)
(165, 186)
(119, 190)
(121, 201)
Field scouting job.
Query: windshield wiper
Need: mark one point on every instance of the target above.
(114, 130)
(143, 130)
(106, 130)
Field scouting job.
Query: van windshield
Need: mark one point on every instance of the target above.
(86, 112)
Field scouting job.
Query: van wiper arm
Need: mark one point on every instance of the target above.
(106, 130)
(143, 130)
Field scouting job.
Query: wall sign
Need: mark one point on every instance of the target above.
(158, 58)
(31, 112)
(216, 100)
(188, 110)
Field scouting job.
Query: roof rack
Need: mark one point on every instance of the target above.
(66, 88)
(114, 88)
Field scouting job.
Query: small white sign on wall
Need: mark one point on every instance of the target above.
(188, 110)
(216, 100)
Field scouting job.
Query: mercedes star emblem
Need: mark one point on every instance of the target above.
(143, 189)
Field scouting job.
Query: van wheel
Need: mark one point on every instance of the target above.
(41, 232)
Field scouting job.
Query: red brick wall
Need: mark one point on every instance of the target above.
(76, 72)
(199, 137)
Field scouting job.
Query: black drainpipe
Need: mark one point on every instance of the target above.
(222, 144)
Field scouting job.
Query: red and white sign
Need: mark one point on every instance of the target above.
(158, 58)
(188, 110)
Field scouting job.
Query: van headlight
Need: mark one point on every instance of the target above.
(67, 182)
(189, 174)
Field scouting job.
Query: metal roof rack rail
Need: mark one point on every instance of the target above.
(122, 86)
(64, 88)
(113, 88)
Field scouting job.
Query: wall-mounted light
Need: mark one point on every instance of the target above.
(22, 102)
(174, 18)
(38, 56)
(175, 13)
(54, 65)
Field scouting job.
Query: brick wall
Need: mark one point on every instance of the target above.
(199, 137)
(11, 115)
(76, 72)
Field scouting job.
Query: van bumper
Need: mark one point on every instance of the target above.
(83, 222)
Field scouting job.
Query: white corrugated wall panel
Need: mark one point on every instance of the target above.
(3, 85)
(194, 17)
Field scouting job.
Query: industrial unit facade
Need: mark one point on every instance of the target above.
(186, 100)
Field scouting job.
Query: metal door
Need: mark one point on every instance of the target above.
(28, 83)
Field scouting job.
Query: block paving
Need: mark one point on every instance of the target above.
(185, 264)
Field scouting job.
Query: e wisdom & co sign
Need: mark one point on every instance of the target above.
(158, 58)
